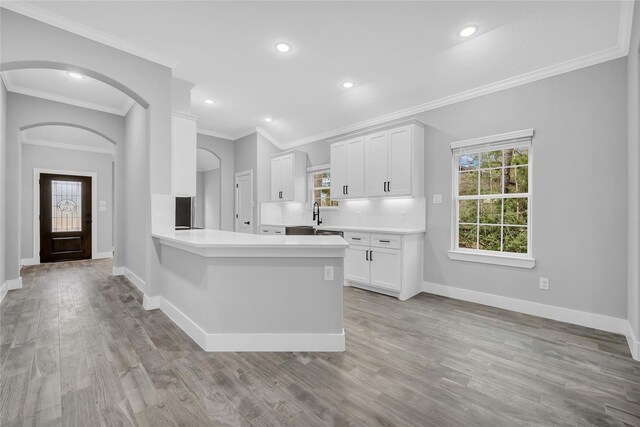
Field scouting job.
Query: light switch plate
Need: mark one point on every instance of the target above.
(437, 198)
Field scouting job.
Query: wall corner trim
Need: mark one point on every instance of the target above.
(576, 317)
(131, 276)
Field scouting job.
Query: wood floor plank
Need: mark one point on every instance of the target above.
(78, 349)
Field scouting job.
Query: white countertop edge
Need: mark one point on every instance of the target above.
(382, 230)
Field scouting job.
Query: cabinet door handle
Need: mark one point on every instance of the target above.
(356, 238)
(366, 255)
(265, 231)
(347, 188)
(385, 186)
(389, 186)
(385, 241)
(370, 255)
(247, 222)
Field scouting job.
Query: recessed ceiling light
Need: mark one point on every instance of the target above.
(268, 119)
(347, 85)
(208, 101)
(468, 31)
(283, 47)
(75, 75)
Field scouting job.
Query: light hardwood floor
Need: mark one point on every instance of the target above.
(77, 348)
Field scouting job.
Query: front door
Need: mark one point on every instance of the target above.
(65, 217)
(244, 202)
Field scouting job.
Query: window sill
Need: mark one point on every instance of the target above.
(506, 260)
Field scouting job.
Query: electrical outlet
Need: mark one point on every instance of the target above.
(328, 272)
(437, 198)
(544, 283)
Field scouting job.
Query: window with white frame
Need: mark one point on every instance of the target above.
(320, 186)
(492, 196)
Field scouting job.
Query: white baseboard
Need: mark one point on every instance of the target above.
(10, 285)
(151, 303)
(252, 342)
(30, 261)
(102, 255)
(582, 318)
(632, 340)
(133, 278)
(14, 284)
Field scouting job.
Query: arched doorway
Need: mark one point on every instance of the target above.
(70, 150)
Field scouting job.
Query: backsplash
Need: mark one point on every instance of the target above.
(386, 212)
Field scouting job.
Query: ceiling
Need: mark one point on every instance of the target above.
(58, 86)
(404, 57)
(207, 161)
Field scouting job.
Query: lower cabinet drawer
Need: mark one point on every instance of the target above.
(361, 239)
(268, 229)
(386, 241)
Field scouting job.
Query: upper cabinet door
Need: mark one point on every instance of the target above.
(276, 179)
(400, 159)
(288, 177)
(355, 167)
(183, 151)
(376, 159)
(338, 152)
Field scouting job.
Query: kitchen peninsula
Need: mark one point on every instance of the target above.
(244, 292)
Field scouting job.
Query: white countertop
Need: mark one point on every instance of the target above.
(364, 229)
(229, 239)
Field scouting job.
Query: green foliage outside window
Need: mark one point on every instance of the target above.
(494, 223)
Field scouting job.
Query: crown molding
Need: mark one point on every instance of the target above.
(626, 24)
(215, 134)
(244, 133)
(58, 21)
(65, 146)
(11, 87)
(182, 115)
(268, 137)
(507, 136)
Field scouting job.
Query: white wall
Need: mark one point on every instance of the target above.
(79, 161)
(633, 159)
(211, 184)
(199, 201)
(133, 223)
(224, 149)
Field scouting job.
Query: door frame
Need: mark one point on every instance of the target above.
(36, 209)
(235, 212)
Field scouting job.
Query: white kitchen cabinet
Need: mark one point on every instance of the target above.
(347, 169)
(289, 177)
(387, 263)
(356, 264)
(183, 154)
(384, 163)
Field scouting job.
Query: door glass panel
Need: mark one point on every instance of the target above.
(66, 209)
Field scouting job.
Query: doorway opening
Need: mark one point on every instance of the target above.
(65, 217)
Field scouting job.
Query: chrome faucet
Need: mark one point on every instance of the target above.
(316, 213)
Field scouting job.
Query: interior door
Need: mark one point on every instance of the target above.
(65, 217)
(244, 197)
(376, 160)
(338, 153)
(355, 171)
(276, 179)
(287, 177)
(400, 153)
(356, 264)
